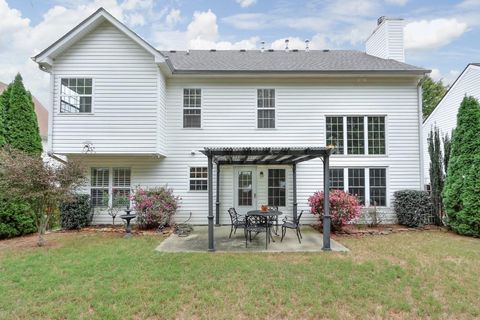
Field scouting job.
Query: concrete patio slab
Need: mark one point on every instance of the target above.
(197, 241)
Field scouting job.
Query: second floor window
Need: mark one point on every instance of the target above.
(76, 95)
(265, 108)
(356, 135)
(192, 108)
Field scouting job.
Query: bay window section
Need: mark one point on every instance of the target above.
(356, 183)
(378, 187)
(355, 135)
(335, 133)
(376, 135)
(277, 187)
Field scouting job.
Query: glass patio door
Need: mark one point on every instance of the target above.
(245, 189)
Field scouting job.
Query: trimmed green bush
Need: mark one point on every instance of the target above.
(77, 213)
(461, 196)
(15, 219)
(412, 207)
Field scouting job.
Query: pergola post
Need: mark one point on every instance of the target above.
(217, 198)
(211, 241)
(294, 190)
(326, 204)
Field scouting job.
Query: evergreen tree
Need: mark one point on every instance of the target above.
(436, 173)
(447, 148)
(20, 124)
(460, 194)
(433, 92)
(3, 106)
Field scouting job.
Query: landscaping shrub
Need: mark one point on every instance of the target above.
(344, 207)
(461, 193)
(154, 207)
(412, 207)
(76, 213)
(16, 219)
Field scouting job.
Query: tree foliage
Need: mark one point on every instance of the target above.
(461, 196)
(19, 128)
(41, 185)
(447, 148)
(433, 92)
(76, 213)
(436, 173)
(412, 207)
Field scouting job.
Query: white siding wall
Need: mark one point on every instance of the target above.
(229, 119)
(126, 97)
(445, 114)
(387, 41)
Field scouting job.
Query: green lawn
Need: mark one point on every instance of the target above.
(431, 274)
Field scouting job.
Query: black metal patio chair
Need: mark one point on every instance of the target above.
(295, 224)
(274, 220)
(237, 220)
(257, 224)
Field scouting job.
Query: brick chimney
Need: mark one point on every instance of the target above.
(386, 41)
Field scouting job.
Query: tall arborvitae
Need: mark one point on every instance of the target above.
(436, 173)
(20, 126)
(461, 196)
(447, 148)
(3, 107)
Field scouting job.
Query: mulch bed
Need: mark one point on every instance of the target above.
(356, 230)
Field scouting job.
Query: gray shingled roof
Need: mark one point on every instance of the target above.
(281, 61)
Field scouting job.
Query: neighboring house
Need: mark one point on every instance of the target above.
(139, 116)
(444, 116)
(40, 111)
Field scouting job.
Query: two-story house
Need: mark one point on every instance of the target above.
(140, 116)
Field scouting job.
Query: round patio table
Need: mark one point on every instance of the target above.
(271, 214)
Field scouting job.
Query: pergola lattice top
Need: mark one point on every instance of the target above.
(265, 155)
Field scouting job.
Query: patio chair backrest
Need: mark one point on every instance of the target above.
(233, 215)
(255, 221)
(297, 222)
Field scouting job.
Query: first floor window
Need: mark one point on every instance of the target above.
(336, 179)
(378, 187)
(198, 178)
(276, 187)
(76, 95)
(105, 191)
(369, 185)
(356, 183)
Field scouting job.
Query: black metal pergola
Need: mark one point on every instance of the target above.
(265, 156)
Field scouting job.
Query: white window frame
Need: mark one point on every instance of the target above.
(203, 179)
(367, 183)
(365, 135)
(286, 183)
(194, 108)
(274, 108)
(110, 184)
(59, 112)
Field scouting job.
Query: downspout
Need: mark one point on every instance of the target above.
(420, 131)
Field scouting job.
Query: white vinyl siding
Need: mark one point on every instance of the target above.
(126, 96)
(445, 114)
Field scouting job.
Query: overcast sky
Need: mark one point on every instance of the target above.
(439, 35)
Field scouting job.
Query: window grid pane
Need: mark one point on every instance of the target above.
(198, 179)
(276, 187)
(335, 133)
(378, 187)
(76, 95)
(376, 135)
(266, 108)
(192, 103)
(355, 135)
(99, 181)
(245, 188)
(336, 179)
(356, 183)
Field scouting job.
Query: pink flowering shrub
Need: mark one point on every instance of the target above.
(344, 207)
(154, 206)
